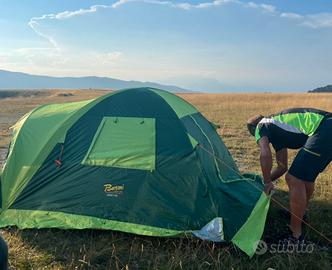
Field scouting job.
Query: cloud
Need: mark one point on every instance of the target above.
(211, 4)
(122, 2)
(90, 58)
(314, 21)
(291, 15)
(50, 61)
(56, 51)
(216, 3)
(80, 12)
(323, 20)
(183, 5)
(34, 22)
(268, 8)
(263, 7)
(107, 58)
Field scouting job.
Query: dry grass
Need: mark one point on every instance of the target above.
(91, 249)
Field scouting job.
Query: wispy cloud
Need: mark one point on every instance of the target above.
(80, 12)
(50, 61)
(34, 22)
(55, 51)
(263, 7)
(122, 2)
(107, 58)
(268, 8)
(315, 21)
(321, 20)
(189, 6)
(183, 5)
(216, 3)
(291, 15)
(54, 54)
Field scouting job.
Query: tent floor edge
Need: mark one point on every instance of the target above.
(37, 219)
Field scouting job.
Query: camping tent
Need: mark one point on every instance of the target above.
(138, 160)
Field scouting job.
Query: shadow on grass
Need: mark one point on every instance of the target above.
(319, 216)
(95, 249)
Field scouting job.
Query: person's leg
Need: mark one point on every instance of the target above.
(310, 188)
(300, 179)
(298, 203)
(3, 254)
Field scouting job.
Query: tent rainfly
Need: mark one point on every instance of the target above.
(139, 160)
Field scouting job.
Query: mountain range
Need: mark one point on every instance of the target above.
(325, 89)
(19, 80)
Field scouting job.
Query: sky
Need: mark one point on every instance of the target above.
(221, 45)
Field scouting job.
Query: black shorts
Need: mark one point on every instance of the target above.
(316, 154)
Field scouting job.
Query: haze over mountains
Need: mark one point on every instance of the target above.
(19, 80)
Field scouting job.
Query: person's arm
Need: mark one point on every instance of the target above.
(265, 158)
(266, 163)
(282, 167)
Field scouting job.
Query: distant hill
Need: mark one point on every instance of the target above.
(325, 89)
(19, 80)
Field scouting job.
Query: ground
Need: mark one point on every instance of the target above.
(92, 249)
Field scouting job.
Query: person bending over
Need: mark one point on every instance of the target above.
(307, 129)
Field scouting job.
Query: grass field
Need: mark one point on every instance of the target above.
(91, 249)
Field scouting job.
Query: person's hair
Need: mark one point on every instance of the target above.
(252, 123)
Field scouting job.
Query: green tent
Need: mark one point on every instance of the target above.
(138, 160)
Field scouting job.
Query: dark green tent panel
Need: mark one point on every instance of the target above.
(137, 160)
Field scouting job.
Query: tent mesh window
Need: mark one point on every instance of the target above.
(123, 142)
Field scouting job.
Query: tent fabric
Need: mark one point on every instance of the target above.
(113, 144)
(246, 237)
(33, 141)
(39, 219)
(138, 160)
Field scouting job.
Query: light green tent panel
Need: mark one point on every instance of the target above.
(124, 142)
(193, 141)
(176, 103)
(35, 131)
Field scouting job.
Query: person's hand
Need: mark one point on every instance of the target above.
(268, 187)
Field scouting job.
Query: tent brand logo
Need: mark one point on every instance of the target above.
(113, 191)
